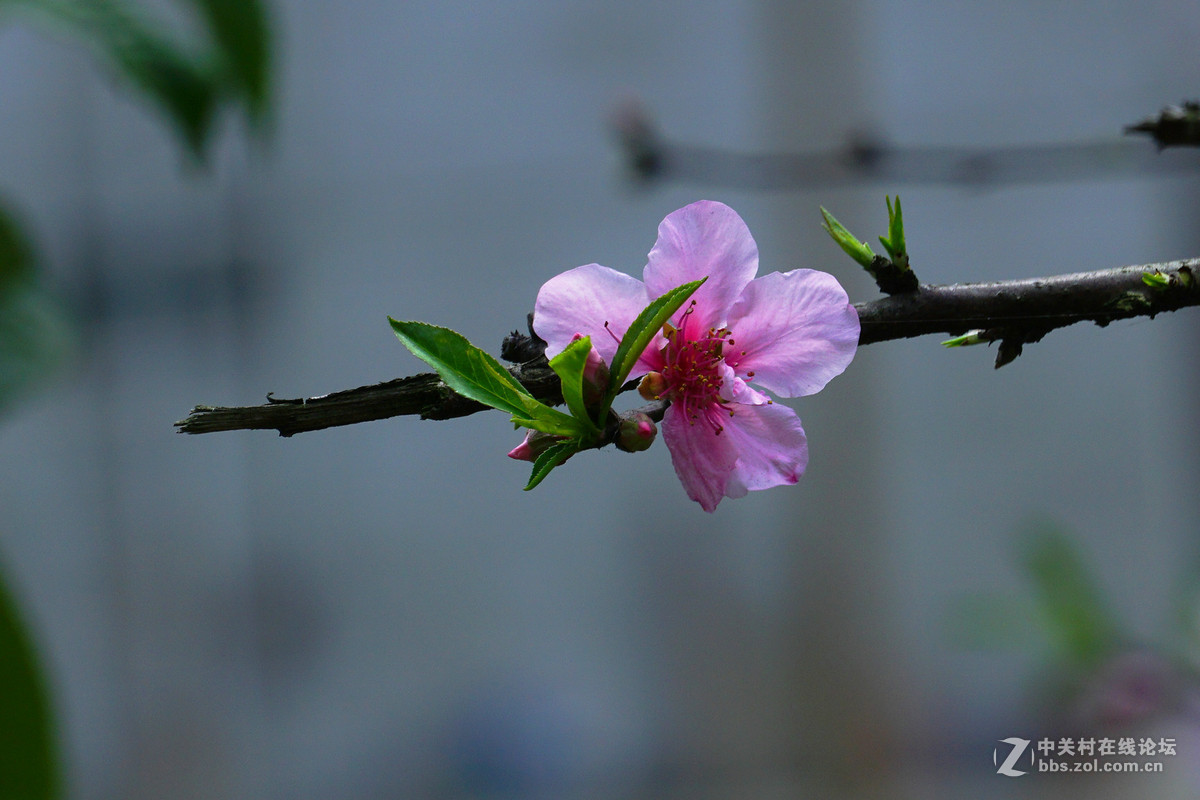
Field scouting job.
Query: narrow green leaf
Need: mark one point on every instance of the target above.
(473, 373)
(569, 365)
(643, 329)
(28, 751)
(967, 339)
(551, 457)
(851, 245)
(894, 243)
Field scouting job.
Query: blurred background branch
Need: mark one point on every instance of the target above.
(651, 157)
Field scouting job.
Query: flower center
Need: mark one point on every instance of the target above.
(692, 371)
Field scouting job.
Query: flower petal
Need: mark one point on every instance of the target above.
(582, 300)
(703, 458)
(771, 447)
(795, 331)
(704, 239)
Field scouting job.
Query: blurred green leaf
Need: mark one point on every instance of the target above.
(16, 255)
(241, 33)
(28, 750)
(35, 337)
(1071, 605)
(181, 84)
(188, 82)
(34, 332)
(982, 621)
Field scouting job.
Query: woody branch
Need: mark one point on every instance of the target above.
(1013, 313)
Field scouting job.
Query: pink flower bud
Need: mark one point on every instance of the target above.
(534, 445)
(595, 375)
(636, 433)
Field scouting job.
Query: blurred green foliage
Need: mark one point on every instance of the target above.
(28, 751)
(189, 80)
(1071, 605)
(1066, 605)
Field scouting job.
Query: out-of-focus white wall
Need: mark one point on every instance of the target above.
(379, 611)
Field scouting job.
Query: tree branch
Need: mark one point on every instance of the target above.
(652, 157)
(1014, 313)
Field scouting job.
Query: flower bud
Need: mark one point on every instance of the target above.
(534, 445)
(636, 432)
(595, 375)
(653, 386)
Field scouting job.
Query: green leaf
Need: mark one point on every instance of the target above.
(1156, 280)
(551, 457)
(569, 365)
(859, 250)
(1071, 605)
(473, 373)
(643, 329)
(969, 338)
(894, 243)
(28, 750)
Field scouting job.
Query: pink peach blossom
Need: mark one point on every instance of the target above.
(790, 333)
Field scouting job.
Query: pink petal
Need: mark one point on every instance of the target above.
(581, 300)
(795, 331)
(703, 459)
(704, 239)
(771, 447)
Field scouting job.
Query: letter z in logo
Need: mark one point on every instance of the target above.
(1018, 749)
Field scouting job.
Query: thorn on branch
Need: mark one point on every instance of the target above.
(1008, 351)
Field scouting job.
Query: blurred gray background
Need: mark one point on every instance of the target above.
(379, 611)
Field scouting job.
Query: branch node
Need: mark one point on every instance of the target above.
(1174, 126)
